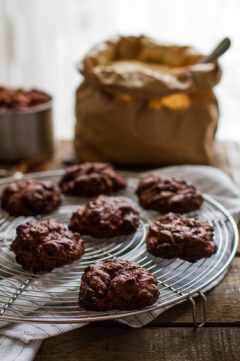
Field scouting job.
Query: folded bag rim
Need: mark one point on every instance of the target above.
(186, 75)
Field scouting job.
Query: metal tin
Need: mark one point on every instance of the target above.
(26, 134)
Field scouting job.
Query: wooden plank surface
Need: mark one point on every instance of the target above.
(147, 344)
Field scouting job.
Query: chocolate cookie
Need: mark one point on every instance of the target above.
(165, 194)
(91, 179)
(45, 245)
(175, 235)
(105, 217)
(21, 99)
(117, 285)
(30, 197)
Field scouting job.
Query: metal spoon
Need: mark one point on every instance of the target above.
(220, 49)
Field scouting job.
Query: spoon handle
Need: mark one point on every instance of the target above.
(221, 48)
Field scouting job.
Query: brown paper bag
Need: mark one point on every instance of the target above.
(143, 103)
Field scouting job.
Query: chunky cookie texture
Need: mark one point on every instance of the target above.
(21, 99)
(165, 194)
(45, 245)
(117, 285)
(105, 217)
(30, 197)
(91, 179)
(175, 235)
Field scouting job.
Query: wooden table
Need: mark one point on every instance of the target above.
(171, 336)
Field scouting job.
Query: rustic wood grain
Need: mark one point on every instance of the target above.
(147, 344)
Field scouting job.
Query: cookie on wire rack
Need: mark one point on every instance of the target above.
(105, 217)
(166, 194)
(117, 285)
(45, 245)
(30, 197)
(177, 236)
(91, 179)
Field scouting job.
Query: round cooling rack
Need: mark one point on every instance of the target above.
(53, 297)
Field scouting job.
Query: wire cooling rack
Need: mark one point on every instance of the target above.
(53, 297)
